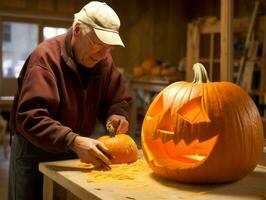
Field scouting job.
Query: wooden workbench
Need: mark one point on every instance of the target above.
(147, 185)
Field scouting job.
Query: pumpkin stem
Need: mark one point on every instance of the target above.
(201, 75)
(112, 133)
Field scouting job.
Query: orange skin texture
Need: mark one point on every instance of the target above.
(122, 148)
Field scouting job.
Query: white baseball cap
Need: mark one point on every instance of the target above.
(103, 19)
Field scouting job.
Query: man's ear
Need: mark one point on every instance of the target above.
(76, 29)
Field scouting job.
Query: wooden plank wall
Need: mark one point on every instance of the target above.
(150, 28)
(62, 8)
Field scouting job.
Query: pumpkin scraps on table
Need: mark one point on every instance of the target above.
(124, 171)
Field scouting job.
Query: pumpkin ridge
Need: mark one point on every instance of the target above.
(188, 89)
(242, 139)
(250, 118)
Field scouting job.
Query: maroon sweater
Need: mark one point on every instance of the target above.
(53, 104)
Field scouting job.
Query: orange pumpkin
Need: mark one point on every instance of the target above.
(138, 71)
(148, 64)
(169, 71)
(202, 132)
(156, 70)
(122, 148)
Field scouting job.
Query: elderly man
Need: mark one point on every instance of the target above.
(66, 84)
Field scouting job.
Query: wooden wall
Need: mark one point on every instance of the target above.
(149, 28)
(154, 28)
(54, 8)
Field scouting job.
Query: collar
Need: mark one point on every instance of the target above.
(66, 51)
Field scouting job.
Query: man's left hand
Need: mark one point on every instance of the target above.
(119, 124)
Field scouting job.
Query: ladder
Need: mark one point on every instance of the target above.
(242, 67)
(249, 61)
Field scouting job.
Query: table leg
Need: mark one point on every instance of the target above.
(47, 188)
(71, 196)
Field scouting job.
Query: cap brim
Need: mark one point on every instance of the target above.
(109, 37)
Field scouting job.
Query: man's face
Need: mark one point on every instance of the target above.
(87, 48)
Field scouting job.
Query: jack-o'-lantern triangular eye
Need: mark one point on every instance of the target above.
(165, 120)
(193, 112)
(157, 108)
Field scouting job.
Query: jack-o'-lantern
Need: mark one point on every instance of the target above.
(202, 132)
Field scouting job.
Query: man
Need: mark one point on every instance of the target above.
(65, 85)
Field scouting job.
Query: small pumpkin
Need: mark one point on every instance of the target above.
(122, 148)
(202, 132)
(148, 64)
(138, 71)
(169, 71)
(156, 70)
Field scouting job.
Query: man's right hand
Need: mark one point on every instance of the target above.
(90, 151)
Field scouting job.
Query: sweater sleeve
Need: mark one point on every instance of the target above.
(36, 110)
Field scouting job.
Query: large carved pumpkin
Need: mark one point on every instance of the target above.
(202, 132)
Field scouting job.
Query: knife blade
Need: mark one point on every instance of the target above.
(108, 155)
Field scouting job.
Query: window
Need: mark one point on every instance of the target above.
(19, 41)
(20, 37)
(49, 32)
(6, 32)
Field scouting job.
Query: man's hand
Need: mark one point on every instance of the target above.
(118, 123)
(91, 151)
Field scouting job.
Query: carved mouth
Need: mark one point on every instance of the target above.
(178, 140)
(180, 154)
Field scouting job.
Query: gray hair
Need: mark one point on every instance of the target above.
(84, 27)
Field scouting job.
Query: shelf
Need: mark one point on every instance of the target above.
(257, 93)
(207, 60)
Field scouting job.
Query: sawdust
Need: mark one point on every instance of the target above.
(118, 172)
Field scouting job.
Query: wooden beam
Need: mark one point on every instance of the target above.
(193, 43)
(211, 57)
(227, 53)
